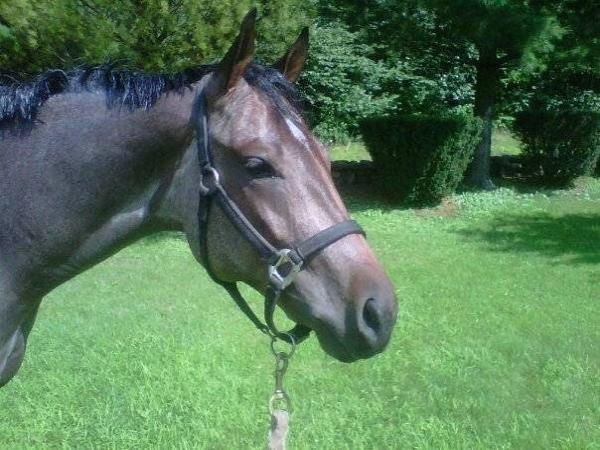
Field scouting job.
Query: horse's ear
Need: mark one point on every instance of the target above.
(290, 64)
(240, 54)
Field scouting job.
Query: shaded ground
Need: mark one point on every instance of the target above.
(568, 239)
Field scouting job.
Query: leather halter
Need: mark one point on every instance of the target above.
(283, 265)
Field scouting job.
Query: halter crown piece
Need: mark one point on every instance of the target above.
(283, 265)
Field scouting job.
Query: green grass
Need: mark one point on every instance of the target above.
(497, 345)
(352, 151)
(504, 143)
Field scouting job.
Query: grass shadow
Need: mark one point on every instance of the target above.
(532, 185)
(575, 238)
(361, 198)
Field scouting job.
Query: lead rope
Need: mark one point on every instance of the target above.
(280, 405)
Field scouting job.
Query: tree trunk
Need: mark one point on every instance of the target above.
(486, 88)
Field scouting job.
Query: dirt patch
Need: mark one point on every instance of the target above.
(447, 208)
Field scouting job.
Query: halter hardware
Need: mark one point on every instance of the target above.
(283, 272)
(283, 265)
(210, 175)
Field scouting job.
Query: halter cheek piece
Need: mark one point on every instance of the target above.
(283, 265)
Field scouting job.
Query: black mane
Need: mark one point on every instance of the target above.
(20, 101)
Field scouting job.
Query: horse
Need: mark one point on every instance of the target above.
(95, 158)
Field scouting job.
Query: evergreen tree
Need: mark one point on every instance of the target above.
(153, 35)
(505, 34)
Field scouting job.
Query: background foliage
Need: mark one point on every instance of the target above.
(368, 58)
(421, 158)
(564, 143)
(343, 83)
(154, 35)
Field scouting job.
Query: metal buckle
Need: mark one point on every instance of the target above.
(209, 172)
(275, 277)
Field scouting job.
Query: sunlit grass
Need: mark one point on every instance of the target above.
(497, 345)
(505, 143)
(351, 151)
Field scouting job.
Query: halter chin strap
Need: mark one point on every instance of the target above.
(283, 265)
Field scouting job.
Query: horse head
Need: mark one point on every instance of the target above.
(279, 176)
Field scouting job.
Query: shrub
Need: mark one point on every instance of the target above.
(421, 158)
(565, 144)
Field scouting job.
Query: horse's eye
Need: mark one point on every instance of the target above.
(259, 168)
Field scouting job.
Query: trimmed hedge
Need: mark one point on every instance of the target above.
(565, 144)
(418, 158)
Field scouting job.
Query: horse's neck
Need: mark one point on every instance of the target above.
(81, 184)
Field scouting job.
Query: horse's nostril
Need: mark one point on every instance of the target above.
(371, 315)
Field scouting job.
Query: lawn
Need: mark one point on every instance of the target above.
(351, 151)
(505, 143)
(496, 347)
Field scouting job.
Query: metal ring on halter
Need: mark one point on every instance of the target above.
(291, 343)
(209, 172)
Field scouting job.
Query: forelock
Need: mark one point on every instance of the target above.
(282, 94)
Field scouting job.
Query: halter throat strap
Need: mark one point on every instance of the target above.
(283, 265)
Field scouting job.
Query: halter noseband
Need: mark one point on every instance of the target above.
(283, 265)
